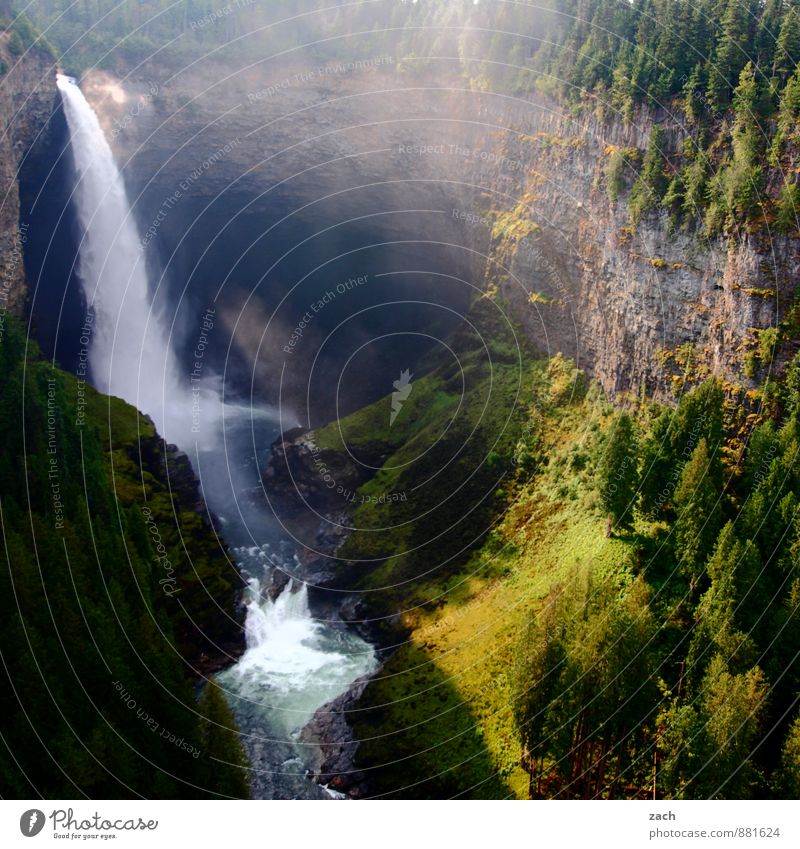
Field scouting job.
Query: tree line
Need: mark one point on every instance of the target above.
(677, 675)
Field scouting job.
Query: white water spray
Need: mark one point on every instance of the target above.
(129, 354)
(294, 664)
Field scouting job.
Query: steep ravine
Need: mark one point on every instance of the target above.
(512, 191)
(519, 190)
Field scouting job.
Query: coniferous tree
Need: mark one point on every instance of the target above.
(729, 608)
(699, 513)
(652, 183)
(537, 681)
(708, 744)
(732, 52)
(618, 476)
(222, 751)
(788, 782)
(744, 177)
(787, 47)
(658, 463)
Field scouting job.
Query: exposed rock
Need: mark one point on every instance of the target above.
(620, 300)
(27, 94)
(276, 771)
(311, 489)
(303, 475)
(331, 748)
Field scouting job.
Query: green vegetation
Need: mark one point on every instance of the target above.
(619, 163)
(445, 458)
(651, 184)
(736, 84)
(106, 621)
(552, 660)
(23, 36)
(618, 473)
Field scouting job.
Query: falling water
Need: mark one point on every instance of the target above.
(293, 664)
(130, 354)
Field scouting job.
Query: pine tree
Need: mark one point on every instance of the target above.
(743, 179)
(617, 475)
(729, 608)
(658, 463)
(586, 691)
(708, 744)
(650, 187)
(699, 414)
(693, 94)
(788, 783)
(788, 117)
(732, 52)
(699, 514)
(537, 681)
(787, 48)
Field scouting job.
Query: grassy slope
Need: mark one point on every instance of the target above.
(463, 650)
(97, 571)
(438, 720)
(447, 458)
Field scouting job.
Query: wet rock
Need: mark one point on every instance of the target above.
(27, 96)
(329, 742)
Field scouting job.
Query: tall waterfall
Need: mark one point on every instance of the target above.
(129, 355)
(294, 664)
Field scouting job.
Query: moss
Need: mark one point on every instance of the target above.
(768, 339)
(539, 298)
(117, 421)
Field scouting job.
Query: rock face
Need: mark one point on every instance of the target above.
(329, 739)
(305, 483)
(515, 187)
(27, 94)
(629, 304)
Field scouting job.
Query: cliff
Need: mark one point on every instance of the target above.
(27, 93)
(514, 186)
(640, 307)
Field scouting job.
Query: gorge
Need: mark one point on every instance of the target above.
(388, 307)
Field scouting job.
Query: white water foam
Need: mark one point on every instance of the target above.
(294, 664)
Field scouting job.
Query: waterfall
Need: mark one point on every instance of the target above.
(129, 352)
(293, 664)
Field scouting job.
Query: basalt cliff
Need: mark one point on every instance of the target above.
(27, 98)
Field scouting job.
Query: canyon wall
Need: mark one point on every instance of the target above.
(515, 188)
(639, 307)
